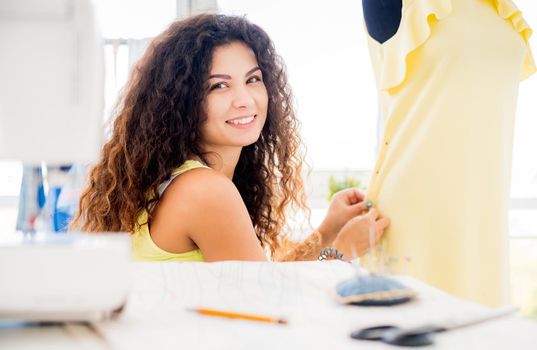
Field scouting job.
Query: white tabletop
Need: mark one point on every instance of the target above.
(157, 316)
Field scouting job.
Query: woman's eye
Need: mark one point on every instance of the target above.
(254, 79)
(218, 86)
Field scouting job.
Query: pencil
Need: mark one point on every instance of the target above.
(218, 313)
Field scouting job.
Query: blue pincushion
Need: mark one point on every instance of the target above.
(373, 290)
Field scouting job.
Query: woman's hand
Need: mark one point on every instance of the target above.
(360, 233)
(345, 205)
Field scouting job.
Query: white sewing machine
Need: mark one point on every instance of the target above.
(51, 99)
(61, 277)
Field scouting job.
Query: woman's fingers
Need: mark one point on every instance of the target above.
(353, 196)
(382, 223)
(358, 195)
(373, 214)
(358, 208)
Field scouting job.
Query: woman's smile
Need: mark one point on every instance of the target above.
(242, 122)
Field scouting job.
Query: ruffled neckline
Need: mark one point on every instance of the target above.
(415, 30)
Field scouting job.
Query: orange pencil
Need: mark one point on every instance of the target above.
(227, 314)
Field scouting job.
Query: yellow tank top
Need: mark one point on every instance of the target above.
(448, 83)
(144, 249)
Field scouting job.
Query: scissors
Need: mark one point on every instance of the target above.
(420, 336)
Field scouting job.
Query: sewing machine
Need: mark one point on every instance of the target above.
(51, 100)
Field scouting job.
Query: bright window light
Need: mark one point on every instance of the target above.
(134, 18)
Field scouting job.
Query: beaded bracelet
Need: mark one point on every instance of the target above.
(330, 253)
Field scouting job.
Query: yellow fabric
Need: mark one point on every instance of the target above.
(448, 83)
(144, 249)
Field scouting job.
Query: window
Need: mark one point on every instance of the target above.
(134, 19)
(523, 214)
(324, 48)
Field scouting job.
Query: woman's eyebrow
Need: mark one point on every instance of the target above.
(251, 71)
(228, 77)
(220, 76)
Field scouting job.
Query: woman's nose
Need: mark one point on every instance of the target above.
(242, 97)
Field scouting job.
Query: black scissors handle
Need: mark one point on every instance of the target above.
(419, 336)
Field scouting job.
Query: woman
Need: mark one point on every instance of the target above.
(204, 162)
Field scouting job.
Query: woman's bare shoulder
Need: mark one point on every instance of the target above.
(209, 210)
(199, 196)
(200, 184)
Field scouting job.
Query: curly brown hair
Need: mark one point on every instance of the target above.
(157, 128)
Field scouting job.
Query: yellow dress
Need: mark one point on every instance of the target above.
(448, 83)
(144, 249)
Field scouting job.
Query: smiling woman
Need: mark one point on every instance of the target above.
(203, 162)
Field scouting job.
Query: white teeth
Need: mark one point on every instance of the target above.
(241, 121)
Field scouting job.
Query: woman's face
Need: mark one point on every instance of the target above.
(237, 101)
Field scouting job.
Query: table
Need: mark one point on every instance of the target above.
(157, 314)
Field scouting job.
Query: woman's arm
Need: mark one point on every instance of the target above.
(203, 209)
